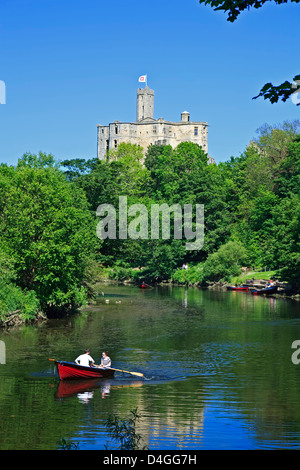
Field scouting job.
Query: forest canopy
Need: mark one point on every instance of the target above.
(50, 253)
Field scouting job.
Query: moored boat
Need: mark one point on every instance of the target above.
(242, 288)
(70, 370)
(266, 290)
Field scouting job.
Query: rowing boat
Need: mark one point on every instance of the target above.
(266, 290)
(70, 370)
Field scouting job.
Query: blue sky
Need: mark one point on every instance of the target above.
(70, 65)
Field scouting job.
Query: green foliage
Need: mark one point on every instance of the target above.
(68, 444)
(191, 276)
(122, 273)
(225, 263)
(48, 231)
(291, 270)
(242, 278)
(78, 166)
(273, 141)
(251, 199)
(49, 248)
(124, 431)
(282, 92)
(12, 297)
(163, 259)
(287, 180)
(42, 160)
(15, 299)
(7, 272)
(234, 8)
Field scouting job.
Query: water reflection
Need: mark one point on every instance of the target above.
(85, 389)
(217, 372)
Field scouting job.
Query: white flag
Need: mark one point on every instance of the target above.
(143, 78)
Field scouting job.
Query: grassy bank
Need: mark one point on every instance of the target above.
(192, 276)
(121, 274)
(256, 275)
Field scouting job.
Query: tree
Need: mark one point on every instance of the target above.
(225, 262)
(41, 160)
(49, 233)
(288, 175)
(78, 166)
(283, 91)
(234, 8)
(183, 175)
(273, 140)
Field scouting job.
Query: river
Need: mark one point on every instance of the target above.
(218, 372)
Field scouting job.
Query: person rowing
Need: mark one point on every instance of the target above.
(85, 359)
(105, 361)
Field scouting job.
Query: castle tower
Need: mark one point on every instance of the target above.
(185, 116)
(145, 103)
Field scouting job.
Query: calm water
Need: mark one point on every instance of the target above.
(217, 365)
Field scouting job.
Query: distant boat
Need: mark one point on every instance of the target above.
(266, 290)
(242, 288)
(70, 370)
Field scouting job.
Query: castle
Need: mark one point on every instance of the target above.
(147, 130)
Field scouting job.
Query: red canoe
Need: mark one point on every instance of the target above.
(70, 370)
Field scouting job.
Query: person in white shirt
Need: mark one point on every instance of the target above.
(85, 359)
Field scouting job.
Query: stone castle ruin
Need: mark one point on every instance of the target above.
(147, 130)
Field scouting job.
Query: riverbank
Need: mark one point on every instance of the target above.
(181, 277)
(190, 278)
(16, 318)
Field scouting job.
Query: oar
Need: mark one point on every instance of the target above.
(139, 374)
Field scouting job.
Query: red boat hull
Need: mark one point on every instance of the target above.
(246, 288)
(67, 388)
(70, 371)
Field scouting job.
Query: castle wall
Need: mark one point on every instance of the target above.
(147, 130)
(155, 132)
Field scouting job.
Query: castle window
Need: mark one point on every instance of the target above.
(195, 130)
(116, 143)
(107, 145)
(116, 129)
